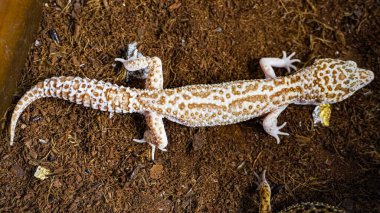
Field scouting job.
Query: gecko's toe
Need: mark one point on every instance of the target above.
(289, 61)
(275, 132)
(139, 140)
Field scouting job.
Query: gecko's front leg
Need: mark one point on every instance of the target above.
(267, 64)
(270, 124)
(286, 62)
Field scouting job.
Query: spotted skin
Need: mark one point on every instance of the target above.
(326, 81)
(265, 194)
(306, 207)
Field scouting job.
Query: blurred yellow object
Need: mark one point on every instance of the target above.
(322, 114)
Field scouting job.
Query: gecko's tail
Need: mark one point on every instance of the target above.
(88, 92)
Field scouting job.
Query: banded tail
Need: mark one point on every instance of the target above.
(88, 92)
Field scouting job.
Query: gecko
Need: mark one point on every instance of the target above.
(264, 190)
(326, 81)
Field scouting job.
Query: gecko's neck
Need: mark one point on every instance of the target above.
(309, 92)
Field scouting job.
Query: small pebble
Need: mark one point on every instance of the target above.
(37, 43)
(156, 171)
(41, 173)
(42, 141)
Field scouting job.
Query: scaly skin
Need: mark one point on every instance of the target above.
(326, 81)
(265, 198)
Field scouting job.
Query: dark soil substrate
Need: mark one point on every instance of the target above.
(95, 164)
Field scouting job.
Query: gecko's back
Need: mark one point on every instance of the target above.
(221, 104)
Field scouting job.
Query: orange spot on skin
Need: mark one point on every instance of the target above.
(279, 81)
(201, 94)
(75, 86)
(326, 78)
(340, 88)
(204, 106)
(295, 79)
(40, 85)
(252, 87)
(181, 106)
(235, 91)
(186, 97)
(342, 76)
(161, 100)
(216, 98)
(169, 92)
(252, 99)
(267, 88)
(331, 95)
(174, 101)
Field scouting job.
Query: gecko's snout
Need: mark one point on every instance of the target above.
(364, 77)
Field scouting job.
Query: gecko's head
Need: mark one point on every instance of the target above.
(337, 80)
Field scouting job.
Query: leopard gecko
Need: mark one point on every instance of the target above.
(326, 81)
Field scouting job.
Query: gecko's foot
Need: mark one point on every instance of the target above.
(289, 61)
(152, 145)
(275, 131)
(135, 62)
(147, 139)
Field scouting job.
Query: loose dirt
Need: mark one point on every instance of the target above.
(97, 167)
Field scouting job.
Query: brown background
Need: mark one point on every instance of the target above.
(97, 166)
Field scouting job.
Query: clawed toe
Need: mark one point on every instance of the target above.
(139, 140)
(276, 132)
(135, 60)
(289, 61)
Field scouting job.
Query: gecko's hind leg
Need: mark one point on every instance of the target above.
(155, 135)
(286, 62)
(270, 124)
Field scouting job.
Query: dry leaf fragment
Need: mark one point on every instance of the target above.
(42, 173)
